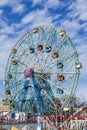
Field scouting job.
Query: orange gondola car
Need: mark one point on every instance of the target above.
(7, 92)
(61, 78)
(14, 62)
(40, 47)
(55, 55)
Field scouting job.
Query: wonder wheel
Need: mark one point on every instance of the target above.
(42, 71)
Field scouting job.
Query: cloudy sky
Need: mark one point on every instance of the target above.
(19, 16)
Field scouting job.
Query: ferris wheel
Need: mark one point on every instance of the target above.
(42, 71)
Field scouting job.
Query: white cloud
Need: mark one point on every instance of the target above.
(8, 2)
(3, 24)
(71, 27)
(85, 29)
(7, 30)
(47, 3)
(1, 11)
(3, 2)
(52, 4)
(35, 2)
(37, 17)
(2, 37)
(78, 9)
(81, 6)
(83, 16)
(29, 17)
(18, 8)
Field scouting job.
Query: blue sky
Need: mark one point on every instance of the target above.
(19, 16)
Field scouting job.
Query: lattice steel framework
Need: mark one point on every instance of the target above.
(42, 71)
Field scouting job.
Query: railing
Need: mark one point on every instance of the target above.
(77, 119)
(63, 122)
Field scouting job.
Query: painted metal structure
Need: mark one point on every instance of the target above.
(42, 71)
(77, 121)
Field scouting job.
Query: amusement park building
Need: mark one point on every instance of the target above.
(5, 106)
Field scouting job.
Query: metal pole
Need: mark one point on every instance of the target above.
(56, 115)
